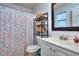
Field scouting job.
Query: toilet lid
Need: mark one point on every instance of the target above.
(32, 47)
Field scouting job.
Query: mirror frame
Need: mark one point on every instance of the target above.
(60, 28)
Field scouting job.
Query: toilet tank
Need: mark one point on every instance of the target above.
(38, 40)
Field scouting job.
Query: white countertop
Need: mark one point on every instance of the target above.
(65, 44)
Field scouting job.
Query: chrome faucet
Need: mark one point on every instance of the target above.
(63, 37)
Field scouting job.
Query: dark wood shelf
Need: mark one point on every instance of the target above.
(40, 28)
(40, 18)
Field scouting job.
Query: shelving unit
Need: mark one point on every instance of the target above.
(41, 25)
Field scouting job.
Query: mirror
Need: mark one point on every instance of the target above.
(61, 19)
(65, 16)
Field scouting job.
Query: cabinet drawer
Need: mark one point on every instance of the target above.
(57, 53)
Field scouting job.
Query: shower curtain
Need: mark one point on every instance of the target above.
(16, 31)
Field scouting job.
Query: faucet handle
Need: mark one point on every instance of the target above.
(61, 37)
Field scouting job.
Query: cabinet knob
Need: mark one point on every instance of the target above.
(50, 48)
(53, 50)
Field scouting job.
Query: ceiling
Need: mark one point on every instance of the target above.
(27, 5)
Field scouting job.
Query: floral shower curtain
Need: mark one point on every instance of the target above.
(16, 31)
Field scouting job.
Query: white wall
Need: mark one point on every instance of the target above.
(47, 8)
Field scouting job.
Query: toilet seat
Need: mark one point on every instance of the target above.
(32, 48)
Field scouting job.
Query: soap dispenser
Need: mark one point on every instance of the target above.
(76, 39)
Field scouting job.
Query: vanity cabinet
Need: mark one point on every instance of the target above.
(48, 49)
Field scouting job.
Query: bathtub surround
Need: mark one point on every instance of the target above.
(16, 31)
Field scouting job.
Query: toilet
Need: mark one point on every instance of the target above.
(32, 50)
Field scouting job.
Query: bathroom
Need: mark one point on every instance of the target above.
(19, 36)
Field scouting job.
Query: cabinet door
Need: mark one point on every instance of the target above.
(57, 51)
(65, 52)
(45, 50)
